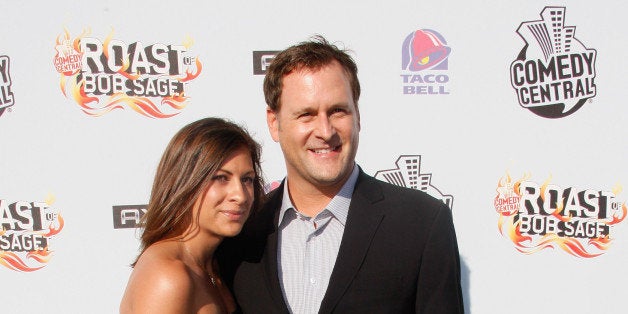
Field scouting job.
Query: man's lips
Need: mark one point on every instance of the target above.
(325, 150)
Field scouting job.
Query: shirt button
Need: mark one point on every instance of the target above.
(313, 280)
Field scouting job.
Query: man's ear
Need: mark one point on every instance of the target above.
(273, 123)
(357, 110)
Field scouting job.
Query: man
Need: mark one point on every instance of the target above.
(332, 239)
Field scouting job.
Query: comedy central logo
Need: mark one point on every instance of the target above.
(424, 57)
(27, 230)
(101, 76)
(554, 74)
(408, 174)
(6, 95)
(539, 216)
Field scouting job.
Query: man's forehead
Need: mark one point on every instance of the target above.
(313, 68)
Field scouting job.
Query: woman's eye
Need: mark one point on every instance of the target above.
(220, 178)
(248, 180)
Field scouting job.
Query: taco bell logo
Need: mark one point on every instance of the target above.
(554, 74)
(424, 55)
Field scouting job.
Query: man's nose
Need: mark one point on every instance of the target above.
(324, 127)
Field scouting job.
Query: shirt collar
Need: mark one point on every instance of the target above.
(338, 206)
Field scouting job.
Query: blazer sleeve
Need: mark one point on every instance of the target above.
(438, 286)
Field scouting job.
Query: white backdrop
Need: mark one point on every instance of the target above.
(58, 161)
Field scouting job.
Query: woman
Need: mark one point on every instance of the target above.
(207, 183)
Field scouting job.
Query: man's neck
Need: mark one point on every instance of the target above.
(309, 199)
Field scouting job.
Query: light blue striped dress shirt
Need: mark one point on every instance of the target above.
(308, 247)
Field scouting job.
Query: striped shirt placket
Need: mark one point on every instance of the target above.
(308, 248)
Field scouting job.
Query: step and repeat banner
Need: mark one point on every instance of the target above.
(512, 113)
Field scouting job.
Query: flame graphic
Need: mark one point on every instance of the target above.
(504, 180)
(177, 102)
(559, 205)
(78, 92)
(601, 243)
(142, 105)
(125, 65)
(62, 83)
(617, 189)
(515, 233)
(189, 75)
(574, 247)
(50, 199)
(77, 41)
(517, 185)
(529, 245)
(43, 256)
(544, 186)
(616, 218)
(106, 43)
(188, 42)
(14, 262)
(52, 230)
(624, 210)
(125, 61)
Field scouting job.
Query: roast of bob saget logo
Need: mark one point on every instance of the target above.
(539, 216)
(102, 76)
(27, 232)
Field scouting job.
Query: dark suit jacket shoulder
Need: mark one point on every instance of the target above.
(398, 255)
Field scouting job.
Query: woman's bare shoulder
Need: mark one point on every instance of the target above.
(160, 283)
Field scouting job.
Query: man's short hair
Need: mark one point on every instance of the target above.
(312, 55)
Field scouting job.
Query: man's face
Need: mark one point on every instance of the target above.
(317, 126)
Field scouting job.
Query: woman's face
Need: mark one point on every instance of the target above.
(227, 202)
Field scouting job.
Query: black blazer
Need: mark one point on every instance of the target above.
(398, 255)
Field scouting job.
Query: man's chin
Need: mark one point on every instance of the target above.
(329, 179)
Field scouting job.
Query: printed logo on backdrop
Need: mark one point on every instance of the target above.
(269, 187)
(101, 76)
(554, 74)
(539, 216)
(6, 95)
(262, 60)
(27, 233)
(408, 174)
(424, 63)
(128, 216)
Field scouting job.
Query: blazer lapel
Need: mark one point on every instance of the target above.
(362, 223)
(269, 260)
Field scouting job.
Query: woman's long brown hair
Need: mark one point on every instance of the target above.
(190, 160)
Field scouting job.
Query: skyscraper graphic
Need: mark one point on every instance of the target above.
(408, 174)
(550, 33)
